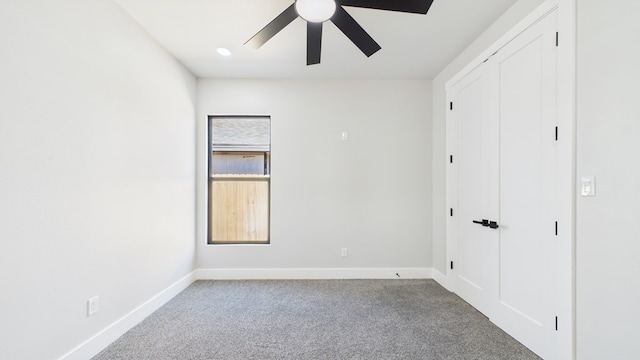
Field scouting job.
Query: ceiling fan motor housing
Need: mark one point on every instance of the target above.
(315, 10)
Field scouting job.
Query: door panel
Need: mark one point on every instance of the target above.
(521, 167)
(473, 276)
(527, 257)
(505, 118)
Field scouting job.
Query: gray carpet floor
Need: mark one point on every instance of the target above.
(316, 319)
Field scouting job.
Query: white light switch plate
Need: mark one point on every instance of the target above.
(588, 186)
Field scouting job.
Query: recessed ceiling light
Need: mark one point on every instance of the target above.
(224, 51)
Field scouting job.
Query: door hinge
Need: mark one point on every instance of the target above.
(556, 323)
(451, 105)
(556, 228)
(451, 159)
(451, 212)
(451, 265)
(557, 38)
(556, 133)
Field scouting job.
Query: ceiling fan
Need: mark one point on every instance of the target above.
(316, 12)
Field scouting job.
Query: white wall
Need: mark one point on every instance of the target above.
(371, 194)
(608, 145)
(97, 172)
(510, 18)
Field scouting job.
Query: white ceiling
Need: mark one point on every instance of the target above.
(413, 46)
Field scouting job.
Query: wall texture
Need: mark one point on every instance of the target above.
(96, 172)
(510, 18)
(371, 194)
(608, 130)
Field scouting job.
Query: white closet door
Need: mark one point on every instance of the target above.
(474, 271)
(526, 75)
(504, 117)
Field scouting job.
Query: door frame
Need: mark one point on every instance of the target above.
(566, 118)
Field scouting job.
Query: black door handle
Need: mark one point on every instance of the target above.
(487, 223)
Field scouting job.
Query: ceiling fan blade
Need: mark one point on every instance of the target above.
(314, 43)
(285, 18)
(354, 32)
(409, 6)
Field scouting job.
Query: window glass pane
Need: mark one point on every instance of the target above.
(239, 180)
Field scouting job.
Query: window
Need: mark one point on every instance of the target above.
(239, 179)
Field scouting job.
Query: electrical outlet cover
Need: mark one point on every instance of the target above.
(92, 306)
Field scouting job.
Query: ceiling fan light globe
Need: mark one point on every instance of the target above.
(316, 10)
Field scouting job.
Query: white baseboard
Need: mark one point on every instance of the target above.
(312, 273)
(100, 341)
(441, 279)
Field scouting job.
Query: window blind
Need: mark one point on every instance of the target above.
(240, 133)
